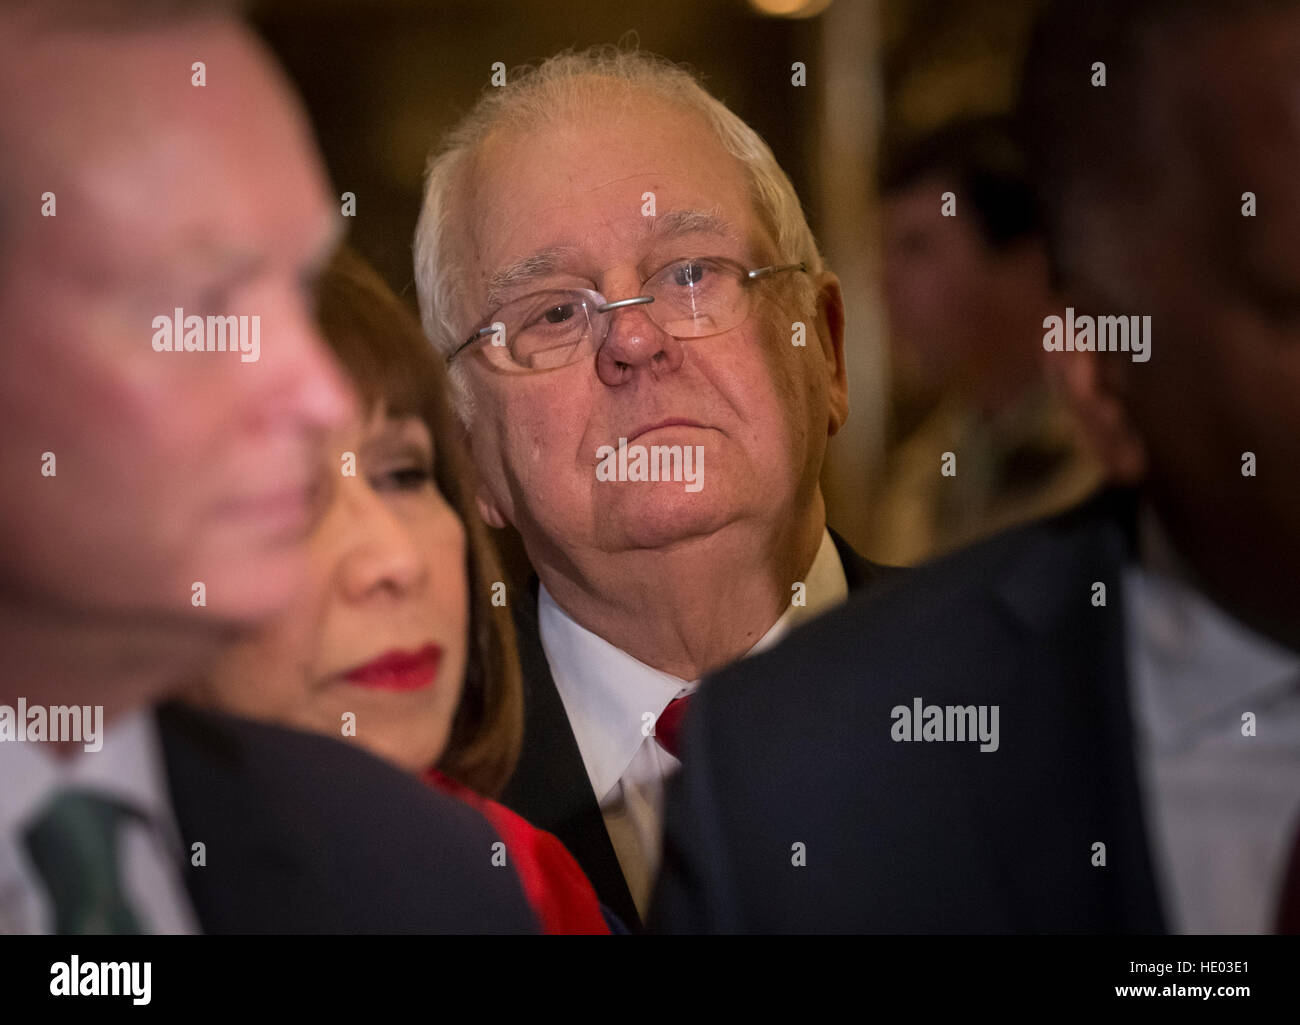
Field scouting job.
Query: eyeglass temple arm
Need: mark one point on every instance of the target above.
(762, 272)
(481, 332)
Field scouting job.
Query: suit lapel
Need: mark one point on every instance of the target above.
(550, 786)
(1068, 710)
(205, 768)
(859, 572)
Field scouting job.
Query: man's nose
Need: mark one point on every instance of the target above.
(635, 342)
(307, 386)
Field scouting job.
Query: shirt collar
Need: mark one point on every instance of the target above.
(129, 767)
(608, 694)
(825, 586)
(1194, 662)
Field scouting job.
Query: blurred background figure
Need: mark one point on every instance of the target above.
(966, 289)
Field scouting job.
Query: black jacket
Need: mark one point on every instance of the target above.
(795, 747)
(550, 786)
(305, 834)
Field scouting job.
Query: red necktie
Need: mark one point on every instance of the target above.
(669, 726)
(1288, 905)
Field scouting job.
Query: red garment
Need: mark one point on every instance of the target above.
(561, 895)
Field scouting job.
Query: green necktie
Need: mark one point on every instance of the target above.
(74, 847)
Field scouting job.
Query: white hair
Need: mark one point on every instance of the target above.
(555, 88)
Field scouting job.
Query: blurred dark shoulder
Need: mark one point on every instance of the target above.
(302, 833)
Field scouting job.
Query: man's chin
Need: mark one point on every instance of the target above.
(660, 515)
(248, 591)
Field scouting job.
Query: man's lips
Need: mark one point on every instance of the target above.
(399, 670)
(299, 498)
(287, 507)
(659, 424)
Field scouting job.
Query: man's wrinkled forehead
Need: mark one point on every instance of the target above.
(636, 177)
(702, 226)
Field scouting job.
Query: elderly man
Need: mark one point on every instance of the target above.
(1091, 724)
(649, 360)
(158, 501)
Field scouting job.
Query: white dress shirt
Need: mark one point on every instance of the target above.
(1221, 807)
(129, 768)
(613, 701)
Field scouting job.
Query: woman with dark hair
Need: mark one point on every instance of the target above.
(396, 643)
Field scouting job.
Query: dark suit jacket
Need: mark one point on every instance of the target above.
(550, 786)
(305, 834)
(795, 747)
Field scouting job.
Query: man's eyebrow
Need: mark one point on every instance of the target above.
(523, 272)
(546, 262)
(676, 223)
(217, 268)
(229, 266)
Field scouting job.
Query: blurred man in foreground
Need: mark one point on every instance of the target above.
(159, 493)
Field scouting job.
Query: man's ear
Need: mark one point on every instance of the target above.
(830, 333)
(1095, 388)
(487, 507)
(488, 510)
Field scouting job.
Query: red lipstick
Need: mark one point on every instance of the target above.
(399, 670)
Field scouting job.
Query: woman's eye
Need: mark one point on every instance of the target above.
(404, 478)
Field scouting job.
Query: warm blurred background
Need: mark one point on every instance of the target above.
(383, 79)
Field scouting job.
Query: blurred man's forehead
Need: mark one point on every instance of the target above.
(126, 137)
(70, 92)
